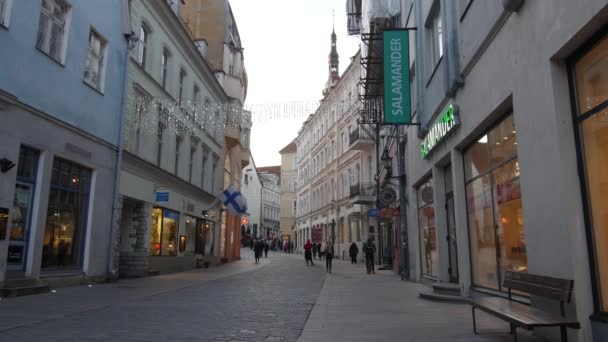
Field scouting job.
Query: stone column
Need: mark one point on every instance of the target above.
(134, 257)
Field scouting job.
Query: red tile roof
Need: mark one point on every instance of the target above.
(290, 148)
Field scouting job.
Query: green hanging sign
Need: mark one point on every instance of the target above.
(397, 101)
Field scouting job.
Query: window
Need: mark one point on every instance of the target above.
(435, 36)
(163, 121)
(27, 171)
(182, 79)
(63, 242)
(203, 168)
(164, 66)
(163, 240)
(590, 77)
(5, 9)
(428, 231)
(140, 111)
(196, 96)
(143, 46)
(357, 174)
(178, 146)
(191, 161)
(494, 205)
(52, 28)
(94, 67)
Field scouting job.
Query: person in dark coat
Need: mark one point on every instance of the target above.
(369, 248)
(257, 250)
(315, 250)
(308, 246)
(266, 249)
(353, 251)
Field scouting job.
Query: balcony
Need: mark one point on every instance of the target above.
(360, 141)
(363, 193)
(353, 14)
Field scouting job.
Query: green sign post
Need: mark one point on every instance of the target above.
(397, 101)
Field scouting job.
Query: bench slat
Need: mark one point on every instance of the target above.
(520, 314)
(548, 287)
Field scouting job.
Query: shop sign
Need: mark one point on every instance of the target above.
(445, 125)
(388, 196)
(374, 212)
(162, 196)
(397, 101)
(389, 212)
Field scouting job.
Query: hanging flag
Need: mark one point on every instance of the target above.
(234, 201)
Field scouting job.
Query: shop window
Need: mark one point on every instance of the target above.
(590, 73)
(190, 236)
(22, 207)
(63, 244)
(494, 206)
(163, 240)
(428, 230)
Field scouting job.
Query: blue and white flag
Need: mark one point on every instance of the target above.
(234, 201)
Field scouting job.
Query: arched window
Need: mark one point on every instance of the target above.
(333, 190)
(357, 174)
(350, 179)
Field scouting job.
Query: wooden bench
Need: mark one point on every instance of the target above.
(525, 316)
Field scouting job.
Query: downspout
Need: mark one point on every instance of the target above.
(115, 226)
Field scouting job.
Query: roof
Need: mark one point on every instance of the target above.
(276, 170)
(290, 148)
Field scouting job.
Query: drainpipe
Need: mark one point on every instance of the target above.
(128, 35)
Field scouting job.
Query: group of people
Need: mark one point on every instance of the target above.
(326, 250)
(323, 250)
(260, 247)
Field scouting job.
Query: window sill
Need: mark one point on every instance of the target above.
(434, 71)
(100, 92)
(3, 26)
(601, 317)
(60, 63)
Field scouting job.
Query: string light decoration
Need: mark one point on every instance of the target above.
(188, 116)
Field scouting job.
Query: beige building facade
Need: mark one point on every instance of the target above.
(289, 188)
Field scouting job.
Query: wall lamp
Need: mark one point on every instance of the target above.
(6, 165)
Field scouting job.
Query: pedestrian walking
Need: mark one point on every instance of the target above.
(257, 250)
(315, 250)
(266, 249)
(329, 255)
(290, 247)
(308, 253)
(369, 248)
(353, 251)
(322, 246)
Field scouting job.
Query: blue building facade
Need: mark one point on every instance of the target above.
(62, 76)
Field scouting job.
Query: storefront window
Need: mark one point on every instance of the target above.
(190, 236)
(591, 76)
(428, 231)
(163, 240)
(205, 234)
(66, 215)
(494, 206)
(22, 203)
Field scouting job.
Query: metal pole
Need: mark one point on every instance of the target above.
(403, 208)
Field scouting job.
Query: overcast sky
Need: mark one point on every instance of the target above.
(286, 44)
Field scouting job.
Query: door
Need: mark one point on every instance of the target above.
(452, 245)
(19, 236)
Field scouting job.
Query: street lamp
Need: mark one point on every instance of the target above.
(387, 161)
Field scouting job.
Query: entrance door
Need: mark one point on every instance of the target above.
(19, 236)
(451, 221)
(453, 251)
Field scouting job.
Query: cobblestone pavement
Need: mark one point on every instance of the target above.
(250, 303)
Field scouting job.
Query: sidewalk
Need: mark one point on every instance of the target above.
(354, 306)
(71, 301)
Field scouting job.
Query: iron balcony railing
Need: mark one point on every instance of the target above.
(363, 189)
(353, 14)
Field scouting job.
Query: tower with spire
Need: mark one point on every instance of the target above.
(334, 63)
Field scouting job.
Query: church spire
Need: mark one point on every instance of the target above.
(334, 61)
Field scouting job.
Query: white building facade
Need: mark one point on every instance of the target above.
(271, 205)
(251, 188)
(336, 167)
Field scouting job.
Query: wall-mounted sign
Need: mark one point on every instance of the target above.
(445, 125)
(397, 101)
(389, 212)
(388, 196)
(374, 212)
(162, 196)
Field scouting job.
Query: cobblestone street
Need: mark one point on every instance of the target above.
(236, 302)
(281, 299)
